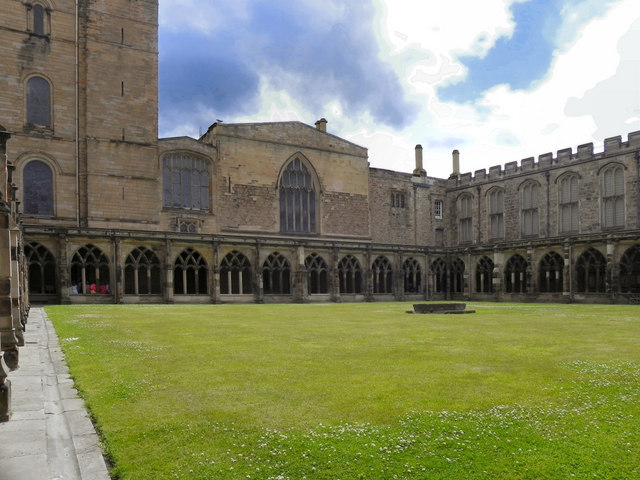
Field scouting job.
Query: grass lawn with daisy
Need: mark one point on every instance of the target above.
(359, 391)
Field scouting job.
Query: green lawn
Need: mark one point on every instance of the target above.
(350, 391)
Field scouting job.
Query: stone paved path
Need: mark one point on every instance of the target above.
(49, 435)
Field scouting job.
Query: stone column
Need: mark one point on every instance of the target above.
(168, 272)
(257, 268)
(567, 273)
(334, 282)
(63, 269)
(300, 276)
(215, 269)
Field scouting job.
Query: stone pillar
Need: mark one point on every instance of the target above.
(529, 286)
(118, 286)
(257, 266)
(498, 284)
(15, 284)
(168, 272)
(368, 276)
(215, 269)
(611, 276)
(398, 284)
(567, 273)
(334, 281)
(63, 279)
(300, 277)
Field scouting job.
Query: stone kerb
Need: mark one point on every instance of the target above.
(446, 308)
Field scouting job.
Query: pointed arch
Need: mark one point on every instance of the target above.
(90, 271)
(515, 275)
(630, 270)
(591, 269)
(298, 190)
(318, 274)
(382, 275)
(276, 275)
(551, 272)
(484, 275)
(190, 273)
(439, 274)
(142, 273)
(350, 275)
(412, 274)
(235, 274)
(41, 269)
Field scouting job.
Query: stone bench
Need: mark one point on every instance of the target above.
(455, 308)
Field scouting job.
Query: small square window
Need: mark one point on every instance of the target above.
(437, 209)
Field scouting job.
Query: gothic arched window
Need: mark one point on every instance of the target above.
(235, 274)
(457, 276)
(591, 269)
(530, 216)
(465, 217)
(515, 275)
(318, 272)
(38, 102)
(297, 199)
(37, 181)
(613, 196)
(412, 276)
(41, 269)
(90, 271)
(439, 272)
(185, 181)
(142, 273)
(190, 273)
(382, 275)
(350, 275)
(630, 270)
(484, 275)
(276, 275)
(569, 219)
(495, 200)
(551, 268)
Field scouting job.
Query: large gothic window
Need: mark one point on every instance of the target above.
(318, 274)
(38, 102)
(235, 274)
(350, 275)
(591, 269)
(496, 213)
(613, 196)
(297, 199)
(382, 275)
(630, 270)
(412, 274)
(569, 204)
(41, 269)
(439, 274)
(276, 275)
(190, 273)
(465, 217)
(142, 273)
(185, 181)
(530, 216)
(90, 271)
(457, 276)
(37, 181)
(551, 268)
(484, 275)
(515, 275)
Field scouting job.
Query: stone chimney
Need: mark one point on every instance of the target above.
(419, 171)
(456, 163)
(321, 125)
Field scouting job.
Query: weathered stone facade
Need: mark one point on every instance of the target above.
(276, 212)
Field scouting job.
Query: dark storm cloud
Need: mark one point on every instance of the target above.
(314, 55)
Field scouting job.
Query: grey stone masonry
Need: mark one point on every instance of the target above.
(50, 434)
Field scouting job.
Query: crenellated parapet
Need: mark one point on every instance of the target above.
(613, 147)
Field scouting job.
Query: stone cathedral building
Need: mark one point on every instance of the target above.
(276, 212)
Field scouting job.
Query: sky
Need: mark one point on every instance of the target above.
(498, 80)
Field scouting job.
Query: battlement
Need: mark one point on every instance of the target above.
(564, 157)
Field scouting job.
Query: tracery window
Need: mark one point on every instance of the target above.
(142, 273)
(297, 199)
(412, 274)
(613, 196)
(465, 217)
(38, 102)
(530, 216)
(382, 275)
(551, 268)
(484, 275)
(185, 181)
(318, 274)
(350, 275)
(37, 180)
(41, 267)
(397, 200)
(591, 269)
(630, 270)
(276, 275)
(515, 274)
(457, 276)
(235, 274)
(496, 213)
(90, 271)
(190, 273)
(569, 204)
(439, 273)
